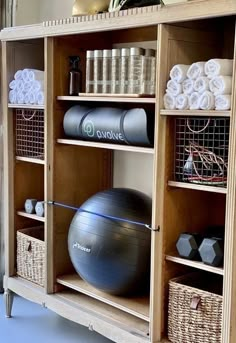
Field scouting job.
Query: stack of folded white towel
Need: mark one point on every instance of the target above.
(27, 87)
(201, 85)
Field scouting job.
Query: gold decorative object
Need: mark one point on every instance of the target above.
(83, 7)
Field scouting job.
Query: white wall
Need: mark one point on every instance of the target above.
(27, 12)
(55, 9)
(36, 11)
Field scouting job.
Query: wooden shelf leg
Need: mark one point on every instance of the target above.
(8, 298)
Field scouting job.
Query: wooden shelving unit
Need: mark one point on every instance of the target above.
(106, 146)
(195, 113)
(31, 216)
(195, 264)
(119, 99)
(73, 170)
(197, 187)
(30, 160)
(28, 107)
(137, 306)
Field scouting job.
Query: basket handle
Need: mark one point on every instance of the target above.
(27, 119)
(29, 246)
(201, 130)
(195, 302)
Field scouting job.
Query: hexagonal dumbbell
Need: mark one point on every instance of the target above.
(212, 251)
(188, 244)
(39, 208)
(30, 205)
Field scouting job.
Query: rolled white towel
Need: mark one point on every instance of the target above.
(12, 84)
(32, 74)
(179, 72)
(32, 97)
(196, 70)
(19, 86)
(36, 75)
(27, 98)
(20, 97)
(182, 102)
(221, 85)
(28, 86)
(18, 75)
(201, 84)
(223, 102)
(12, 96)
(25, 75)
(217, 66)
(188, 86)
(207, 101)
(194, 101)
(173, 88)
(169, 102)
(40, 98)
(37, 85)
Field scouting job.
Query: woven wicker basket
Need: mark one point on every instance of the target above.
(194, 315)
(31, 254)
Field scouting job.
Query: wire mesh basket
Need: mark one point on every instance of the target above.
(201, 150)
(30, 133)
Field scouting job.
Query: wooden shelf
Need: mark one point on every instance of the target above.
(137, 306)
(109, 98)
(28, 107)
(31, 216)
(83, 310)
(195, 264)
(197, 187)
(30, 160)
(120, 319)
(107, 146)
(195, 113)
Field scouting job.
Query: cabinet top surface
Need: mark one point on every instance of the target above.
(136, 17)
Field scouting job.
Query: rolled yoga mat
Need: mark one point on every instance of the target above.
(104, 124)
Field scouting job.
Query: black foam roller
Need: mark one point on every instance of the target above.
(105, 124)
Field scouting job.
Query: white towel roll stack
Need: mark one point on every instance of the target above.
(25, 87)
(200, 86)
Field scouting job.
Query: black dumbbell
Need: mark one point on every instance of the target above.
(188, 244)
(30, 205)
(212, 251)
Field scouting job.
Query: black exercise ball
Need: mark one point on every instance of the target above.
(109, 254)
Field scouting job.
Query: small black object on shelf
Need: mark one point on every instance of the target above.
(188, 244)
(212, 251)
(139, 3)
(75, 76)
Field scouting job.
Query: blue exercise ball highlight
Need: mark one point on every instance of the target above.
(112, 255)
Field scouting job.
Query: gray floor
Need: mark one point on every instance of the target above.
(33, 323)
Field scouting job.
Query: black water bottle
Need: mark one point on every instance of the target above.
(75, 76)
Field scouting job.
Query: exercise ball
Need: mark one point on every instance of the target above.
(109, 254)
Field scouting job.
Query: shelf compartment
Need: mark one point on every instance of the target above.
(136, 306)
(195, 264)
(197, 187)
(91, 312)
(107, 146)
(110, 98)
(195, 113)
(28, 107)
(30, 160)
(31, 216)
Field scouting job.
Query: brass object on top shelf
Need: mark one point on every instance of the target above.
(81, 7)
